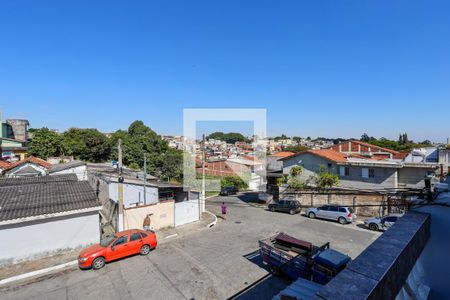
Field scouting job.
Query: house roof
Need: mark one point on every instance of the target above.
(374, 146)
(244, 161)
(283, 154)
(324, 153)
(30, 159)
(4, 164)
(37, 180)
(65, 166)
(31, 200)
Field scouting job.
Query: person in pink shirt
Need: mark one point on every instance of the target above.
(224, 211)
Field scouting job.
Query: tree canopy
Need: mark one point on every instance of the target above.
(230, 137)
(162, 161)
(403, 144)
(45, 143)
(93, 146)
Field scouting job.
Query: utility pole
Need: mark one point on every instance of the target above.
(203, 176)
(145, 178)
(120, 224)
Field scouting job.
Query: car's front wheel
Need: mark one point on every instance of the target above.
(145, 250)
(311, 215)
(98, 263)
(342, 220)
(291, 211)
(373, 226)
(272, 209)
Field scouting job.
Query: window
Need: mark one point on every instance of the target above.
(391, 219)
(324, 207)
(365, 173)
(344, 171)
(121, 240)
(371, 173)
(333, 208)
(342, 209)
(135, 236)
(143, 235)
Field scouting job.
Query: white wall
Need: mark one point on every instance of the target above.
(80, 171)
(132, 193)
(42, 238)
(186, 212)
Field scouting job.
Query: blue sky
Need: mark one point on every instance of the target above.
(321, 68)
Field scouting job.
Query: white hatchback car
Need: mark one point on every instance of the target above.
(341, 214)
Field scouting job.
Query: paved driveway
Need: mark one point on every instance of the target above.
(209, 264)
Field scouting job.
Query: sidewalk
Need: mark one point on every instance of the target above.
(164, 235)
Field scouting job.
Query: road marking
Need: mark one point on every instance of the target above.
(171, 236)
(38, 272)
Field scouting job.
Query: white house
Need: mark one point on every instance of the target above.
(28, 167)
(40, 216)
(74, 167)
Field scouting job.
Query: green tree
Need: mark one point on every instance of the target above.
(295, 171)
(365, 138)
(295, 183)
(170, 165)
(230, 137)
(296, 148)
(235, 181)
(325, 179)
(163, 162)
(86, 144)
(45, 143)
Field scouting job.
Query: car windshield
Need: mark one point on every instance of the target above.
(106, 241)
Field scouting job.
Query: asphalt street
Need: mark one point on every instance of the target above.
(208, 264)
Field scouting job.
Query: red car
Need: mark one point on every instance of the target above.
(119, 245)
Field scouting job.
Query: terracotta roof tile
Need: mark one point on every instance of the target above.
(329, 154)
(325, 153)
(4, 164)
(283, 154)
(31, 159)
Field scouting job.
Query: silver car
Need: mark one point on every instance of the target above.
(341, 214)
(383, 223)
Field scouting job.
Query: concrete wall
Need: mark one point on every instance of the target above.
(133, 194)
(42, 238)
(109, 207)
(19, 129)
(163, 215)
(380, 272)
(80, 171)
(412, 177)
(312, 199)
(186, 212)
(384, 178)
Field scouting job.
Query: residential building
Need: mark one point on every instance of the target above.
(28, 167)
(171, 204)
(74, 167)
(356, 171)
(13, 139)
(12, 150)
(41, 216)
(357, 147)
(245, 166)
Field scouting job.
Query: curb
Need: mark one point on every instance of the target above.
(213, 223)
(37, 272)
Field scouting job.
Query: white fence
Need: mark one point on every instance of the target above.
(186, 212)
